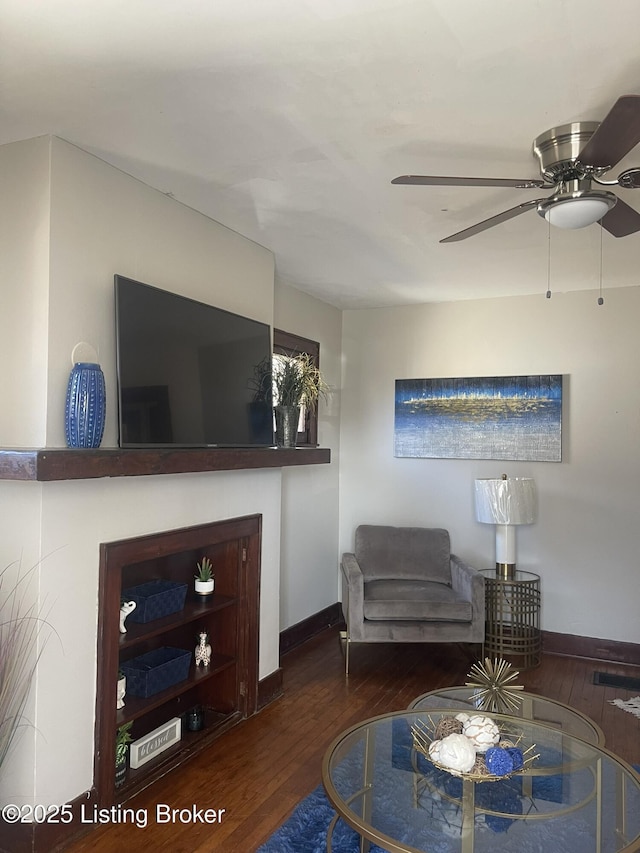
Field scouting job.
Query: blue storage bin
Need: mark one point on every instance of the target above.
(155, 599)
(154, 671)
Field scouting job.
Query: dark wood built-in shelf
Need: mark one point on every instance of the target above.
(226, 690)
(48, 464)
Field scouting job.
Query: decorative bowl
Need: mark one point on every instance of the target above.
(507, 755)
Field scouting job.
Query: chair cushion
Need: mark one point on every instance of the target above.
(426, 601)
(410, 553)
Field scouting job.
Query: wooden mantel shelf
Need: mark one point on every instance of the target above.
(48, 464)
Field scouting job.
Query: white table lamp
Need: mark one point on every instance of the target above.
(506, 503)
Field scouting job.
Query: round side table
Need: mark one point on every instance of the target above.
(538, 709)
(512, 618)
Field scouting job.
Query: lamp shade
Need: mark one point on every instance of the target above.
(576, 208)
(506, 501)
(576, 213)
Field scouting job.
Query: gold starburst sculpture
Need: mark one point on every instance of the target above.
(493, 687)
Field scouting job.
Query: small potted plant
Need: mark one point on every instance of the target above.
(123, 739)
(204, 579)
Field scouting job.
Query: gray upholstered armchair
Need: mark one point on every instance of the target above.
(403, 585)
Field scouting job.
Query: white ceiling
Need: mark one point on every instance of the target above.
(286, 120)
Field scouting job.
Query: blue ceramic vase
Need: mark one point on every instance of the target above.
(85, 407)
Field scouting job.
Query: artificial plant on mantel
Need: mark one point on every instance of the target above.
(296, 382)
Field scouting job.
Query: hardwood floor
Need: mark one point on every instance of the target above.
(260, 770)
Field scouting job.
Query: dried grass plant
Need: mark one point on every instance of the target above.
(290, 380)
(23, 634)
(297, 381)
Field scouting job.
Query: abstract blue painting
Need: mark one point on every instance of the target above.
(488, 417)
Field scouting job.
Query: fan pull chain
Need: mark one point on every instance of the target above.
(548, 260)
(600, 297)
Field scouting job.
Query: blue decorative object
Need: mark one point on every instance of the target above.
(516, 756)
(498, 761)
(157, 670)
(155, 599)
(85, 406)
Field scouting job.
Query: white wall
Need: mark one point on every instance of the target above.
(585, 543)
(309, 544)
(114, 509)
(105, 222)
(73, 517)
(59, 289)
(24, 270)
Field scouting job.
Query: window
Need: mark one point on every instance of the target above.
(285, 343)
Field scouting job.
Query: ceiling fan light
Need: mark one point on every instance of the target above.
(576, 212)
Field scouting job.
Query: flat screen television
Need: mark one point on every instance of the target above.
(185, 370)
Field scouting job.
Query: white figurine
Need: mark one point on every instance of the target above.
(121, 693)
(126, 608)
(203, 650)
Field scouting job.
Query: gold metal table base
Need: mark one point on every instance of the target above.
(512, 624)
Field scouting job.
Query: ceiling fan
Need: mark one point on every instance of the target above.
(573, 160)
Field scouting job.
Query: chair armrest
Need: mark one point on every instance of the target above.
(352, 590)
(468, 583)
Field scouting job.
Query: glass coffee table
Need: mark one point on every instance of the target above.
(532, 707)
(576, 797)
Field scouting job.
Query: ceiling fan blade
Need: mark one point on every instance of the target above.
(617, 134)
(493, 220)
(441, 181)
(621, 220)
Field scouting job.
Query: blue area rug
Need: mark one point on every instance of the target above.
(306, 829)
